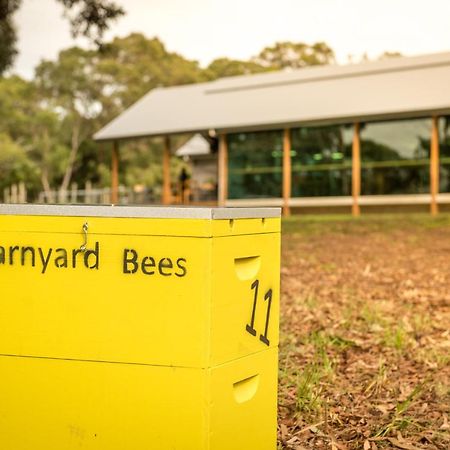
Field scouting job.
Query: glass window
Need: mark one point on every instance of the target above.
(321, 161)
(395, 157)
(255, 164)
(444, 154)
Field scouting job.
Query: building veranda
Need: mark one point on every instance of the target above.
(370, 134)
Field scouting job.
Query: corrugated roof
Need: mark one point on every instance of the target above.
(398, 87)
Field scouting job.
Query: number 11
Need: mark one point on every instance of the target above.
(251, 326)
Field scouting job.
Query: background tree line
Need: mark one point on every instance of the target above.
(47, 123)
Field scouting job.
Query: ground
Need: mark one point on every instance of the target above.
(365, 333)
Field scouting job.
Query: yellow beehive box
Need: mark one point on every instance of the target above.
(126, 327)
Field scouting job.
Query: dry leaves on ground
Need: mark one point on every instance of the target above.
(365, 335)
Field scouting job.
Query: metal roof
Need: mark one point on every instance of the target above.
(398, 87)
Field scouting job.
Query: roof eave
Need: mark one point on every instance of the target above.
(444, 110)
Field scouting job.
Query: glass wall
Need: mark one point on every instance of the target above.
(444, 154)
(321, 161)
(395, 157)
(255, 164)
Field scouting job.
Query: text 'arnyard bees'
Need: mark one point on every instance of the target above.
(131, 262)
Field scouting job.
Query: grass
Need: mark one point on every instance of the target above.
(400, 421)
(345, 223)
(364, 331)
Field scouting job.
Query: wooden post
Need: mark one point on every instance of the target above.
(115, 174)
(356, 170)
(6, 198)
(167, 191)
(434, 165)
(88, 193)
(22, 192)
(74, 192)
(286, 171)
(14, 192)
(222, 170)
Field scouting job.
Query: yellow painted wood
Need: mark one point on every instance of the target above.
(151, 338)
(139, 226)
(62, 405)
(241, 261)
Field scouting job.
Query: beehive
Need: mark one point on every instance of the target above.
(138, 327)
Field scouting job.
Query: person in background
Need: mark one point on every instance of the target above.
(184, 185)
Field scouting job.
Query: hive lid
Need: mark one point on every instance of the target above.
(150, 212)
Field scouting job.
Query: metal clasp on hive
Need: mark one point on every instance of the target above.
(85, 235)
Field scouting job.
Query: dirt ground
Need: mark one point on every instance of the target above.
(365, 333)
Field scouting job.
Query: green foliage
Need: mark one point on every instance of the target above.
(281, 55)
(34, 128)
(17, 107)
(7, 33)
(15, 166)
(224, 67)
(295, 55)
(91, 18)
(68, 87)
(129, 67)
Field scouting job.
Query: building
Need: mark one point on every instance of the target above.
(200, 154)
(375, 133)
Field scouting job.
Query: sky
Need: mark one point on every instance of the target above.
(207, 29)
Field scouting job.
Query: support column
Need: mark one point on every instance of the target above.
(115, 174)
(287, 179)
(166, 191)
(222, 193)
(356, 170)
(434, 165)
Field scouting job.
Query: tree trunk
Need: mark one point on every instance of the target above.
(75, 145)
(44, 170)
(46, 186)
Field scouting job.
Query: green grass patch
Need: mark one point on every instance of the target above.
(345, 223)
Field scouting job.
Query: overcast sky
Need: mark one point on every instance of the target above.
(208, 29)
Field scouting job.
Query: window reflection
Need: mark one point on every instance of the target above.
(321, 161)
(395, 157)
(255, 164)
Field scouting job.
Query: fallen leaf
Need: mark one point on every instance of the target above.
(402, 444)
(284, 431)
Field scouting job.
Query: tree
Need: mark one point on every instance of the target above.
(7, 33)
(16, 107)
(224, 67)
(131, 66)
(68, 88)
(15, 166)
(34, 132)
(295, 55)
(89, 18)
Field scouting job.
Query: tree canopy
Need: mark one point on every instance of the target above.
(295, 55)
